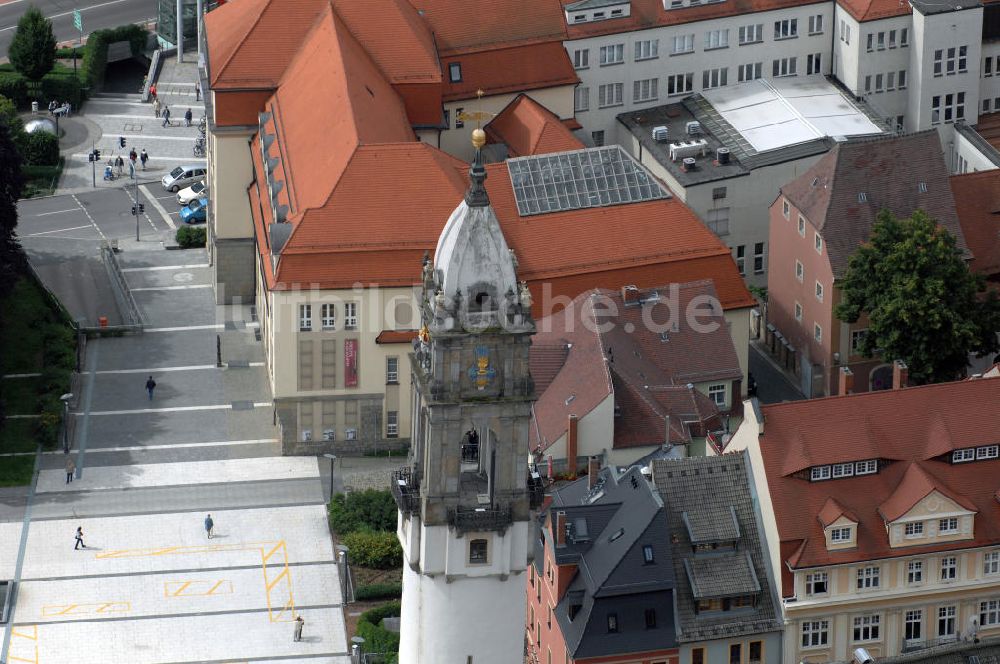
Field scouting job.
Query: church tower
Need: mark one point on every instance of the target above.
(465, 498)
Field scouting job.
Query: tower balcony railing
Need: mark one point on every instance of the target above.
(470, 452)
(405, 488)
(480, 519)
(536, 490)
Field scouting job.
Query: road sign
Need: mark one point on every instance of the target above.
(78, 20)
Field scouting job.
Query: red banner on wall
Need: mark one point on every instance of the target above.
(350, 363)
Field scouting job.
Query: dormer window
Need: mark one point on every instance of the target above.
(948, 526)
(914, 529)
(819, 473)
(816, 583)
(647, 554)
(981, 453)
(841, 470)
(841, 535)
(961, 456)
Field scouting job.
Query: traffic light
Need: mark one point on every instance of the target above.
(142, 208)
(90, 156)
(133, 211)
(97, 154)
(121, 141)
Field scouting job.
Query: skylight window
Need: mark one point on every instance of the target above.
(455, 72)
(617, 535)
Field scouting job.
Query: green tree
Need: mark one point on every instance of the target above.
(32, 51)
(923, 304)
(363, 510)
(9, 116)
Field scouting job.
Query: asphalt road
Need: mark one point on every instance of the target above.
(97, 14)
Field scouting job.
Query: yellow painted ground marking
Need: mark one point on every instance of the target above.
(82, 609)
(281, 584)
(197, 588)
(31, 635)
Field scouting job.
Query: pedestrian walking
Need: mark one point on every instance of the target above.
(187, 117)
(70, 469)
(143, 157)
(299, 624)
(150, 386)
(52, 107)
(152, 90)
(197, 90)
(79, 539)
(166, 116)
(133, 155)
(120, 165)
(209, 526)
(157, 106)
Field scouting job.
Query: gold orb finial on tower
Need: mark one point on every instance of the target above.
(478, 138)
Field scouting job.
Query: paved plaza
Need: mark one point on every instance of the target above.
(150, 586)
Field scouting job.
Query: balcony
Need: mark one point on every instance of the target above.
(913, 646)
(536, 490)
(405, 490)
(470, 452)
(479, 519)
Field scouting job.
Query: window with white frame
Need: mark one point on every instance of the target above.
(680, 83)
(818, 333)
(987, 452)
(717, 393)
(866, 467)
(961, 456)
(683, 44)
(991, 562)
(901, 80)
(758, 258)
(716, 39)
(892, 39)
(751, 71)
(785, 207)
(581, 98)
(645, 90)
(816, 24)
(870, 42)
(741, 259)
(392, 424)
(841, 535)
(913, 629)
(581, 58)
(818, 243)
(819, 291)
(478, 552)
(798, 312)
(948, 526)
(816, 583)
(392, 369)
(329, 312)
(455, 72)
(963, 59)
(947, 108)
(751, 34)
(845, 32)
(305, 317)
(989, 613)
(647, 49)
(904, 37)
(868, 84)
(351, 434)
(881, 41)
(890, 81)
(988, 66)
(843, 469)
(714, 78)
(799, 270)
(915, 572)
(868, 577)
(914, 529)
(814, 63)
(866, 628)
(815, 633)
(879, 86)
(819, 473)
(350, 315)
(717, 221)
(784, 67)
(786, 28)
(946, 621)
(802, 226)
(610, 94)
(613, 54)
(949, 568)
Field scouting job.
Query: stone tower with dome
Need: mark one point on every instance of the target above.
(465, 498)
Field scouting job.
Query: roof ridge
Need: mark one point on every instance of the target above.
(910, 388)
(264, 5)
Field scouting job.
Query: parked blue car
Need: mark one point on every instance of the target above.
(194, 212)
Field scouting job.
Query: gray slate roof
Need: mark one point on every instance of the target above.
(715, 488)
(707, 526)
(594, 4)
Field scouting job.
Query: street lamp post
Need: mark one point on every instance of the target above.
(332, 458)
(65, 420)
(357, 642)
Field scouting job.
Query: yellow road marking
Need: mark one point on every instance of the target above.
(197, 588)
(82, 609)
(32, 636)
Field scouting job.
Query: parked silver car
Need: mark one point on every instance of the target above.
(183, 176)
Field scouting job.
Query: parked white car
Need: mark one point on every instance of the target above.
(194, 192)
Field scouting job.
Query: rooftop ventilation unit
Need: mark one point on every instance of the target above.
(693, 128)
(861, 656)
(722, 156)
(660, 134)
(687, 149)
(690, 164)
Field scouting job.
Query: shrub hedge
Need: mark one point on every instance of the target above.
(378, 591)
(363, 510)
(378, 550)
(188, 237)
(377, 638)
(13, 86)
(95, 54)
(38, 149)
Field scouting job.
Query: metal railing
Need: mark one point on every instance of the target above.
(913, 646)
(131, 315)
(469, 519)
(536, 490)
(405, 489)
(470, 453)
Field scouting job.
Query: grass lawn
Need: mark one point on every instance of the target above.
(16, 471)
(17, 436)
(20, 396)
(23, 313)
(41, 180)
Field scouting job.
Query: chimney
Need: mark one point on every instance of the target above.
(630, 295)
(560, 527)
(846, 381)
(900, 374)
(571, 444)
(593, 468)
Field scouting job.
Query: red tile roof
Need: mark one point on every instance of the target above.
(395, 36)
(251, 42)
(611, 347)
(474, 23)
(888, 171)
(988, 127)
(872, 10)
(526, 128)
(510, 69)
(895, 427)
(396, 336)
(977, 199)
(832, 510)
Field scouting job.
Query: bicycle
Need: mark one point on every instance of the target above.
(199, 147)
